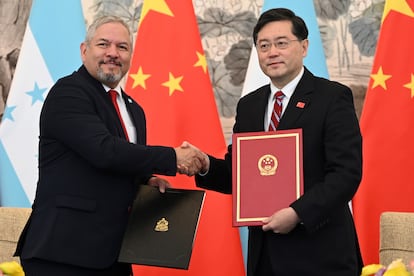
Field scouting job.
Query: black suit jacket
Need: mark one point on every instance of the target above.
(325, 243)
(88, 175)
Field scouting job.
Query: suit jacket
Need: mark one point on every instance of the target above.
(325, 242)
(88, 175)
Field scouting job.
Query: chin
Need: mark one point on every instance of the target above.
(110, 77)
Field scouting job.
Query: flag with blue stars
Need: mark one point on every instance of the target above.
(50, 50)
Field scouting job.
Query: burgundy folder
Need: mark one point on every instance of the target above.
(267, 174)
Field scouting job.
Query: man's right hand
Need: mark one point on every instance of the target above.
(191, 160)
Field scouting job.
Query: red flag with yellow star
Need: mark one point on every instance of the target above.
(387, 122)
(169, 79)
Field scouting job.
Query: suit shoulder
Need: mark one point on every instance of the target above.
(79, 76)
(255, 93)
(329, 85)
(67, 79)
(76, 82)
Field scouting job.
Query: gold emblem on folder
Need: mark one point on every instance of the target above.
(162, 225)
(267, 165)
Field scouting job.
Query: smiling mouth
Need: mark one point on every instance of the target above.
(275, 63)
(111, 63)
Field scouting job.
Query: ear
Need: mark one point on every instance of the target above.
(83, 48)
(305, 45)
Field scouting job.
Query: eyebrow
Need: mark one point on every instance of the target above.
(279, 37)
(109, 41)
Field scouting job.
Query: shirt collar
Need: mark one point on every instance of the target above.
(117, 89)
(289, 88)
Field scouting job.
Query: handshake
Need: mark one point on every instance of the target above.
(191, 160)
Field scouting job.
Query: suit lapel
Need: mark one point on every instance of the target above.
(258, 108)
(136, 118)
(301, 99)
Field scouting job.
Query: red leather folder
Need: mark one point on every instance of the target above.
(267, 174)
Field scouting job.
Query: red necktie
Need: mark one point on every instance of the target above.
(113, 95)
(277, 111)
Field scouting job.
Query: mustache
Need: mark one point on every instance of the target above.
(111, 61)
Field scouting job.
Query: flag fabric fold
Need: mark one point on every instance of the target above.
(386, 126)
(170, 80)
(50, 50)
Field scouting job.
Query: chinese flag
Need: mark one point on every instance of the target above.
(170, 80)
(387, 122)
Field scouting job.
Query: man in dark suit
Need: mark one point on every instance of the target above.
(315, 235)
(91, 163)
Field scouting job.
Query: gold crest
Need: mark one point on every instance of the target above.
(162, 225)
(267, 165)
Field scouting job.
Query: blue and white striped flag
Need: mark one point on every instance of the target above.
(50, 50)
(315, 60)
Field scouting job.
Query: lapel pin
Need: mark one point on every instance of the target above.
(300, 104)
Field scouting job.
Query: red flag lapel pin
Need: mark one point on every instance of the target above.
(300, 105)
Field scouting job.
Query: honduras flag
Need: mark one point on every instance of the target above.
(315, 61)
(50, 50)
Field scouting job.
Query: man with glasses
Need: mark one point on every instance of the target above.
(315, 234)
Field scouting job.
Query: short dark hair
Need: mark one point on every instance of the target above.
(299, 28)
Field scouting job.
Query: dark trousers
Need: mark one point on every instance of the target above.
(37, 267)
(264, 267)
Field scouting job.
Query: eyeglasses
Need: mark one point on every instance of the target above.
(282, 43)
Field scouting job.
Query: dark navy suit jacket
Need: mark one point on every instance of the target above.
(325, 243)
(88, 175)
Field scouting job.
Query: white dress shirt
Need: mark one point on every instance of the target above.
(288, 90)
(130, 128)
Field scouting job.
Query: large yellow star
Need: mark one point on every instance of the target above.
(400, 6)
(139, 78)
(173, 83)
(154, 5)
(202, 62)
(410, 85)
(379, 79)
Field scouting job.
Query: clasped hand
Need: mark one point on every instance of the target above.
(191, 160)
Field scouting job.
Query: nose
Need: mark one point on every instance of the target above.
(274, 50)
(112, 50)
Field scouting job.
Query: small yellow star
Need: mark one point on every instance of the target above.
(400, 6)
(173, 83)
(139, 78)
(410, 85)
(379, 79)
(154, 5)
(202, 62)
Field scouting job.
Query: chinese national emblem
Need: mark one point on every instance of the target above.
(267, 164)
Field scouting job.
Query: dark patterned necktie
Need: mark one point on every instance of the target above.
(277, 111)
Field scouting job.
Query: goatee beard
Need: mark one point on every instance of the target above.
(109, 77)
